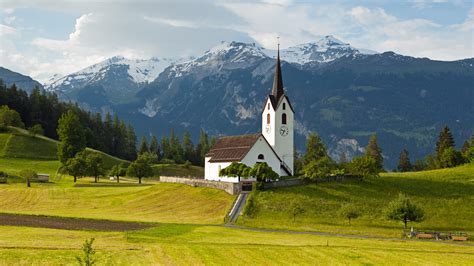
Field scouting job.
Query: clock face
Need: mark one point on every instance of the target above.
(268, 129)
(284, 131)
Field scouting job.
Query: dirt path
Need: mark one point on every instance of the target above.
(69, 223)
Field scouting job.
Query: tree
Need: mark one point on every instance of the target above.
(296, 208)
(9, 117)
(28, 175)
(189, 152)
(469, 155)
(140, 168)
(36, 130)
(88, 253)
(94, 165)
(202, 147)
(143, 146)
(404, 164)
(402, 209)
(315, 149)
(262, 172)
(77, 166)
(364, 166)
(373, 150)
(445, 141)
(236, 169)
(320, 168)
(149, 157)
(349, 212)
(154, 148)
(71, 136)
(118, 171)
(450, 158)
(465, 146)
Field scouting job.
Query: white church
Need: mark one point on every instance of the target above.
(274, 145)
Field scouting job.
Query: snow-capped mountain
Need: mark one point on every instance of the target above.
(138, 71)
(325, 50)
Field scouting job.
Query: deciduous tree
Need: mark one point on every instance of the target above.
(402, 209)
(71, 136)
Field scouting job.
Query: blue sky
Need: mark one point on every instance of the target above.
(42, 38)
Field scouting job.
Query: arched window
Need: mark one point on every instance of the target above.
(261, 157)
(283, 119)
(268, 118)
(268, 106)
(284, 106)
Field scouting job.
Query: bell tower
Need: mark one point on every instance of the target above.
(278, 121)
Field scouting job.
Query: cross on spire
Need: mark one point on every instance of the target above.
(277, 89)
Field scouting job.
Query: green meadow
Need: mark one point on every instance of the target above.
(198, 245)
(446, 196)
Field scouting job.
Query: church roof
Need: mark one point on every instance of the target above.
(232, 148)
(277, 89)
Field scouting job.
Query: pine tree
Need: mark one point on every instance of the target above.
(165, 148)
(71, 136)
(143, 146)
(465, 146)
(404, 164)
(315, 149)
(189, 152)
(154, 148)
(373, 150)
(445, 140)
(202, 147)
(343, 158)
(131, 143)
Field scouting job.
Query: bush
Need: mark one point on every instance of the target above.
(10, 117)
(320, 168)
(36, 130)
(450, 158)
(349, 212)
(364, 166)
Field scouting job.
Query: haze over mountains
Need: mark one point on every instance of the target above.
(342, 92)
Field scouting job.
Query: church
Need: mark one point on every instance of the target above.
(274, 145)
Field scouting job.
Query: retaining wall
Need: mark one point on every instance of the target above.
(299, 182)
(231, 188)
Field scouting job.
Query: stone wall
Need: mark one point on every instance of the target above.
(299, 182)
(231, 188)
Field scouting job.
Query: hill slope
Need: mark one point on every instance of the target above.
(23, 82)
(445, 195)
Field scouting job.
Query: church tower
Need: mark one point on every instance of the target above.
(278, 122)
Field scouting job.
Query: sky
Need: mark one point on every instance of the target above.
(43, 38)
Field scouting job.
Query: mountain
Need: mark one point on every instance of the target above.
(325, 50)
(343, 93)
(23, 82)
(109, 82)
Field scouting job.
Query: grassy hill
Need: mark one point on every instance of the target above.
(446, 195)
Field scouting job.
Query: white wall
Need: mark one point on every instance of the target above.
(260, 147)
(283, 145)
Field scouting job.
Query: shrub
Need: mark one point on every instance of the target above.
(320, 168)
(450, 158)
(364, 166)
(349, 212)
(36, 130)
(88, 253)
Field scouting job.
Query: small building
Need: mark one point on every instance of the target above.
(41, 178)
(274, 145)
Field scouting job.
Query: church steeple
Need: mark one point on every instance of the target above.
(277, 90)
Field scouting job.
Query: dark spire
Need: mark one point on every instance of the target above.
(277, 90)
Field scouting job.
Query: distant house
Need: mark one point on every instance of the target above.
(274, 145)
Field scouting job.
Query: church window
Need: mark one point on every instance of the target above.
(283, 119)
(261, 157)
(268, 106)
(284, 106)
(268, 118)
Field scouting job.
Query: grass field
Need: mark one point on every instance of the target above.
(447, 197)
(167, 203)
(188, 244)
(177, 170)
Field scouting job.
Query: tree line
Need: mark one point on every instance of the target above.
(110, 135)
(445, 156)
(172, 149)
